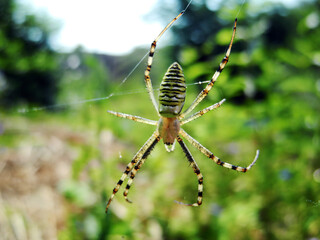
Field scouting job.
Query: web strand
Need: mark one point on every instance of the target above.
(240, 8)
(138, 64)
(113, 93)
(80, 102)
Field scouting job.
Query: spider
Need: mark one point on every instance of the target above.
(171, 100)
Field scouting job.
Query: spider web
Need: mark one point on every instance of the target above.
(116, 91)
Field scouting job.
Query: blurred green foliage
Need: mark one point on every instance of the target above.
(272, 87)
(29, 67)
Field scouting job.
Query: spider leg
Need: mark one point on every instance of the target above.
(200, 113)
(149, 63)
(214, 78)
(138, 166)
(134, 118)
(210, 155)
(196, 171)
(129, 167)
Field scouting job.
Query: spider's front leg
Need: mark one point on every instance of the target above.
(150, 60)
(214, 78)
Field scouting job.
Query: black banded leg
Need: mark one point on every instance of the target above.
(210, 155)
(233, 167)
(134, 118)
(214, 78)
(138, 166)
(196, 171)
(149, 63)
(129, 167)
(147, 78)
(200, 113)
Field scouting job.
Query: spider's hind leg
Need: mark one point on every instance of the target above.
(142, 151)
(196, 171)
(138, 166)
(217, 160)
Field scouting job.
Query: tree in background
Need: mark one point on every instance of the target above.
(28, 65)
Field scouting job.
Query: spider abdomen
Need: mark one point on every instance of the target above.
(172, 91)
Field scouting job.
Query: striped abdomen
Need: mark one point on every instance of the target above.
(172, 92)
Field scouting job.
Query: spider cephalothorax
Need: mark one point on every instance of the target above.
(171, 100)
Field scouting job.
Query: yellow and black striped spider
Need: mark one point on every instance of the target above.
(171, 100)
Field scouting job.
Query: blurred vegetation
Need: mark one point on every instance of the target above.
(65, 164)
(29, 67)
